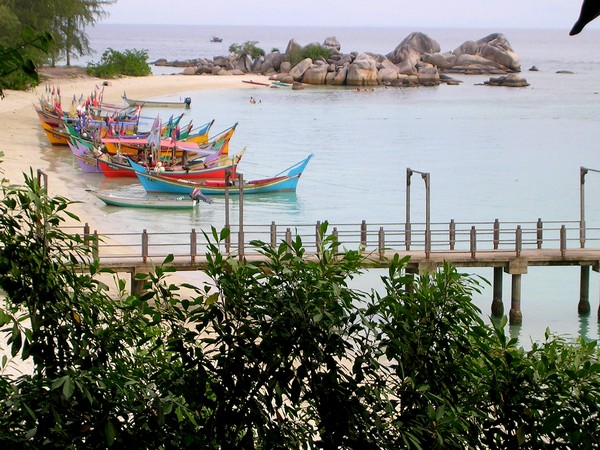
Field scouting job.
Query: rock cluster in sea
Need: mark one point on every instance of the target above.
(416, 61)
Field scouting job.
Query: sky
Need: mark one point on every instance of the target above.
(559, 14)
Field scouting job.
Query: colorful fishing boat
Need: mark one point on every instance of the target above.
(154, 201)
(56, 135)
(113, 169)
(58, 127)
(258, 83)
(87, 161)
(132, 145)
(213, 168)
(53, 114)
(185, 103)
(202, 165)
(94, 131)
(91, 160)
(285, 181)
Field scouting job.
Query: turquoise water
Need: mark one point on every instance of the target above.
(510, 154)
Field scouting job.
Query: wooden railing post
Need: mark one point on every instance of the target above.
(563, 241)
(381, 243)
(452, 235)
(86, 236)
(273, 234)
(318, 237)
(496, 234)
(288, 238)
(241, 218)
(427, 240)
(336, 240)
(227, 224)
(407, 231)
(145, 245)
(518, 241)
(96, 246)
(42, 177)
(363, 234)
(193, 245)
(540, 234)
(473, 241)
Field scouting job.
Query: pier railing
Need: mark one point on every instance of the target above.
(471, 238)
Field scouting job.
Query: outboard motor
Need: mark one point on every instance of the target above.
(197, 195)
(188, 102)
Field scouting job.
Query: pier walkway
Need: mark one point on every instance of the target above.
(507, 247)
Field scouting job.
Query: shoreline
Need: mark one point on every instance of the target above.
(25, 145)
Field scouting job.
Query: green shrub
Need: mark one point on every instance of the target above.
(312, 51)
(294, 56)
(248, 48)
(114, 64)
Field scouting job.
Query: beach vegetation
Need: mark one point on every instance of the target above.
(281, 354)
(115, 64)
(294, 55)
(17, 68)
(312, 51)
(9, 24)
(315, 52)
(248, 48)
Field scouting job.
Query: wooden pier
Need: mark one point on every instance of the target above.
(508, 248)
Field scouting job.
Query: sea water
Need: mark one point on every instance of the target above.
(492, 153)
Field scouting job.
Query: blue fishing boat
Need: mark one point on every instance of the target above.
(284, 181)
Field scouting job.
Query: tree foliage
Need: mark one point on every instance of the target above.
(17, 69)
(64, 19)
(248, 48)
(282, 354)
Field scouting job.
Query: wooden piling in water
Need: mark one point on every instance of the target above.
(515, 314)
(583, 308)
(497, 305)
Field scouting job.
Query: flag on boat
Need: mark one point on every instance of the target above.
(154, 136)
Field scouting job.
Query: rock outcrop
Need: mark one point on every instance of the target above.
(510, 80)
(493, 51)
(416, 60)
(362, 71)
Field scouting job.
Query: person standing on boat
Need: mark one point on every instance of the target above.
(184, 160)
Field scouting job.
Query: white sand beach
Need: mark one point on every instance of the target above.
(24, 144)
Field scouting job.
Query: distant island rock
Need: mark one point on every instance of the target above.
(416, 61)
